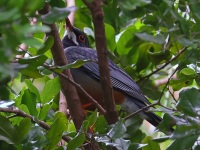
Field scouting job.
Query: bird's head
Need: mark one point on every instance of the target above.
(74, 37)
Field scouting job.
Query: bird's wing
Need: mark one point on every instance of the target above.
(120, 80)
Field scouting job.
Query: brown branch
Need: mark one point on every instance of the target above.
(167, 63)
(99, 29)
(69, 90)
(21, 113)
(62, 101)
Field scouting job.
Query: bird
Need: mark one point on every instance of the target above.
(126, 92)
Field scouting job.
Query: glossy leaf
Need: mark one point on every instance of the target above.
(152, 145)
(118, 130)
(159, 39)
(189, 102)
(56, 130)
(47, 45)
(92, 118)
(76, 142)
(33, 89)
(110, 37)
(13, 134)
(56, 14)
(51, 88)
(188, 71)
(78, 63)
(29, 99)
(183, 143)
(125, 42)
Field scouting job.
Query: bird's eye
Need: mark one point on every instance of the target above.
(81, 38)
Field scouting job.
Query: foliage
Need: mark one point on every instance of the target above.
(150, 39)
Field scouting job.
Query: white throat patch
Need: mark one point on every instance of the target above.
(71, 36)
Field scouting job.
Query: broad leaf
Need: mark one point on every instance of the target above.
(118, 130)
(13, 134)
(152, 145)
(189, 102)
(51, 88)
(56, 14)
(56, 130)
(76, 142)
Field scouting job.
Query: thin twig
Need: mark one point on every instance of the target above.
(21, 113)
(167, 63)
(158, 102)
(172, 94)
(172, 76)
(80, 89)
(140, 110)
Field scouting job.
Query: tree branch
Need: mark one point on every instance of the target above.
(99, 29)
(69, 90)
(62, 101)
(25, 115)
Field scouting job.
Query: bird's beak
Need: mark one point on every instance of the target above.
(69, 26)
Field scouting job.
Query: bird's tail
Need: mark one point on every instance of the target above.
(152, 118)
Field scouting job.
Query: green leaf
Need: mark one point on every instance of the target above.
(35, 138)
(28, 29)
(34, 63)
(133, 124)
(56, 130)
(122, 143)
(29, 99)
(33, 42)
(76, 142)
(33, 89)
(177, 84)
(51, 88)
(183, 143)
(118, 130)
(13, 134)
(159, 57)
(195, 8)
(78, 63)
(185, 42)
(47, 45)
(133, 4)
(9, 15)
(28, 72)
(44, 111)
(159, 39)
(161, 139)
(152, 145)
(188, 71)
(22, 129)
(100, 125)
(33, 5)
(110, 37)
(56, 14)
(143, 60)
(166, 125)
(125, 42)
(6, 130)
(189, 102)
(92, 118)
